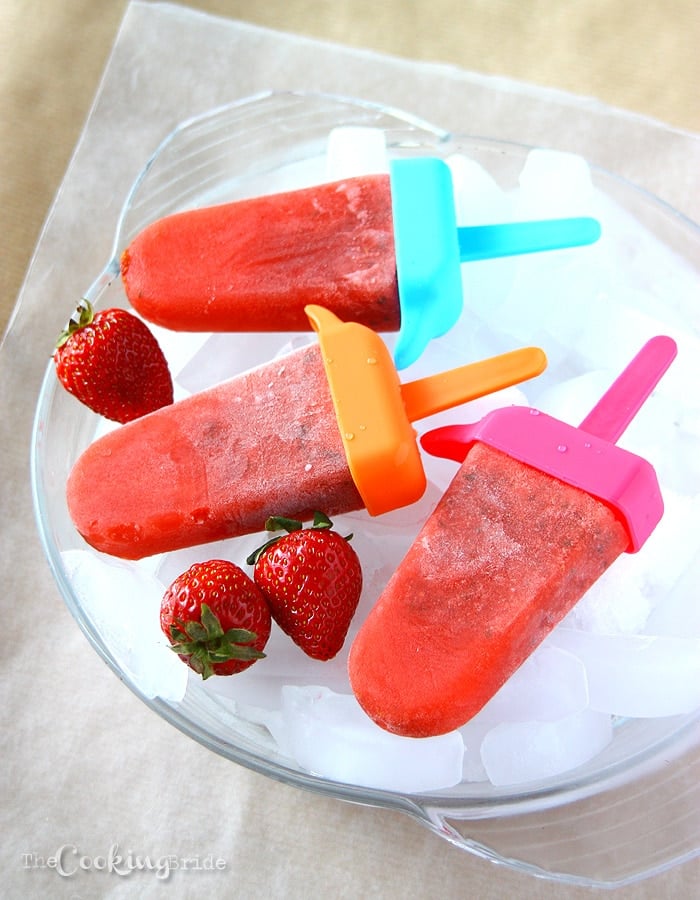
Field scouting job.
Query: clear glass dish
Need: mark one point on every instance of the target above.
(628, 813)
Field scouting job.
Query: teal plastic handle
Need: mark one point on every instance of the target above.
(426, 245)
(478, 242)
(430, 248)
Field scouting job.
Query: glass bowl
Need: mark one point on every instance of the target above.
(591, 825)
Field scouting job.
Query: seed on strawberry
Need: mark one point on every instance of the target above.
(216, 618)
(112, 363)
(312, 581)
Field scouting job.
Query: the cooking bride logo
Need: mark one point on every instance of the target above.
(69, 861)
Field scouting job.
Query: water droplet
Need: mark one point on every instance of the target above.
(349, 435)
(534, 412)
(587, 445)
(562, 448)
(329, 360)
(307, 467)
(371, 361)
(363, 428)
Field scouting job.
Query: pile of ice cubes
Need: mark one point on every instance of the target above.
(631, 647)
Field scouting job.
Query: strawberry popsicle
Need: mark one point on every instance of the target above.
(383, 250)
(325, 427)
(536, 513)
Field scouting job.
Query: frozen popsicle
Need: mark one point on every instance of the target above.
(383, 250)
(535, 514)
(325, 427)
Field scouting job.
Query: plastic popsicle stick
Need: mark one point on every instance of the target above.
(621, 402)
(427, 253)
(479, 242)
(375, 411)
(430, 247)
(426, 396)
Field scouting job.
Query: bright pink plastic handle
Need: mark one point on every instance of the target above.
(584, 457)
(619, 405)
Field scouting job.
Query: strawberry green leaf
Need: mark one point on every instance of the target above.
(321, 520)
(211, 623)
(239, 636)
(282, 523)
(205, 643)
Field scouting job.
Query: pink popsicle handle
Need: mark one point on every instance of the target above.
(586, 457)
(618, 406)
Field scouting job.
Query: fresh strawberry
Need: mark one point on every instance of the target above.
(112, 363)
(312, 580)
(216, 619)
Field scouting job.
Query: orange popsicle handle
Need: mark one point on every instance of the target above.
(427, 396)
(374, 411)
(379, 441)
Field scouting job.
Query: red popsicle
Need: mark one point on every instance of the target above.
(253, 265)
(327, 427)
(536, 513)
(381, 250)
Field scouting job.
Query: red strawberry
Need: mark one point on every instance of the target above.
(112, 363)
(312, 580)
(216, 619)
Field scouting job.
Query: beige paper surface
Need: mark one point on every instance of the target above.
(86, 764)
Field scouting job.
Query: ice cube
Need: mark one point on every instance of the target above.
(354, 150)
(122, 602)
(549, 685)
(479, 199)
(473, 734)
(638, 676)
(330, 735)
(555, 184)
(618, 602)
(273, 720)
(643, 272)
(518, 752)
(178, 346)
(486, 288)
(225, 355)
(260, 687)
(618, 330)
(672, 546)
(554, 298)
(686, 452)
(660, 434)
(678, 612)
(284, 663)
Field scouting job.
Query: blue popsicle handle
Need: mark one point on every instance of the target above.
(478, 242)
(430, 248)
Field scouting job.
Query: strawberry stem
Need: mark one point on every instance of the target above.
(81, 317)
